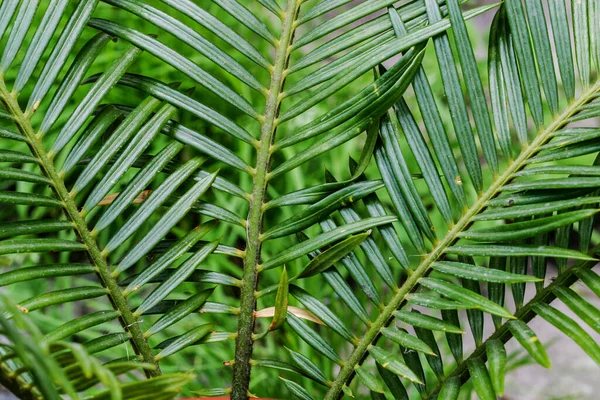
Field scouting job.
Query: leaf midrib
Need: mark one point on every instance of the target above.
(252, 256)
(463, 223)
(118, 301)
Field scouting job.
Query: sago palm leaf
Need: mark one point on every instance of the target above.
(37, 368)
(63, 161)
(114, 188)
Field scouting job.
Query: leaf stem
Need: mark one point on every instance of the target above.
(252, 257)
(384, 318)
(119, 303)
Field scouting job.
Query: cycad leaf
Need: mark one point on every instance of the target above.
(496, 355)
(481, 379)
(393, 364)
(180, 311)
(480, 274)
(281, 302)
(571, 328)
(189, 338)
(178, 276)
(529, 340)
(426, 322)
(462, 295)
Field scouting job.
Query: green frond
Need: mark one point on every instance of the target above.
(159, 199)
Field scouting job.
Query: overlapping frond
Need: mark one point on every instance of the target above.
(517, 209)
(130, 199)
(97, 196)
(37, 367)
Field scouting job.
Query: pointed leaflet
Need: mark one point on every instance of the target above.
(60, 53)
(456, 100)
(298, 391)
(398, 203)
(184, 102)
(179, 311)
(498, 89)
(281, 302)
(480, 274)
(426, 322)
(189, 338)
(345, 292)
(7, 9)
(17, 35)
(431, 300)
(177, 61)
(190, 37)
(510, 72)
(434, 360)
(388, 232)
(316, 212)
(581, 34)
(459, 294)
(312, 338)
(136, 146)
(490, 250)
(95, 95)
(372, 251)
(405, 340)
(562, 43)
(450, 389)
(18, 246)
(543, 51)
(213, 24)
(324, 239)
(472, 78)
(524, 52)
(358, 112)
(166, 223)
(79, 324)
(92, 132)
(332, 255)
(413, 361)
(13, 229)
(392, 363)
(474, 315)
(175, 279)
(423, 157)
(43, 35)
(308, 367)
(356, 269)
(582, 308)
(137, 184)
(390, 134)
(497, 291)
(369, 380)
(530, 342)
(496, 355)
(205, 145)
(44, 271)
(340, 20)
(432, 120)
(322, 312)
(481, 379)
(61, 297)
(247, 18)
(393, 383)
(81, 64)
(155, 200)
(590, 278)
(114, 143)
